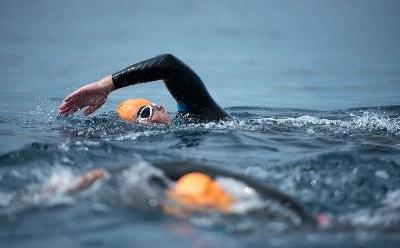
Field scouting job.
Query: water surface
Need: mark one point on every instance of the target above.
(312, 87)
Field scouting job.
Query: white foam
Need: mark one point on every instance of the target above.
(80, 144)
(55, 189)
(382, 174)
(135, 185)
(392, 199)
(367, 121)
(136, 135)
(245, 197)
(59, 181)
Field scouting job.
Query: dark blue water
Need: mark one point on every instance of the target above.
(313, 89)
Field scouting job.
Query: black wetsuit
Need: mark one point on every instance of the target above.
(182, 82)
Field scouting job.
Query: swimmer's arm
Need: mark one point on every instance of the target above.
(86, 180)
(182, 82)
(79, 183)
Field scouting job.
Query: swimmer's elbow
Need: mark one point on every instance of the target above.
(170, 61)
(168, 57)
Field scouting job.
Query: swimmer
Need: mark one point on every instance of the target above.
(187, 189)
(189, 91)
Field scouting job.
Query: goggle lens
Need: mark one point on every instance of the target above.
(145, 112)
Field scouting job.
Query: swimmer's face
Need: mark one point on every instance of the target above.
(153, 114)
(141, 110)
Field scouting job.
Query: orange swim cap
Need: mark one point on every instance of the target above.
(128, 109)
(198, 191)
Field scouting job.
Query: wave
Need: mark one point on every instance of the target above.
(385, 217)
(363, 124)
(100, 133)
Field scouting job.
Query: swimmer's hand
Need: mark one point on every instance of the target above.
(91, 97)
(86, 180)
(63, 185)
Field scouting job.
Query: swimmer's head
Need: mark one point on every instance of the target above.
(199, 191)
(143, 111)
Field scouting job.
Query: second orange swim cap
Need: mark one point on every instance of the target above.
(198, 191)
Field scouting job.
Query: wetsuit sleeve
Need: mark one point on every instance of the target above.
(182, 82)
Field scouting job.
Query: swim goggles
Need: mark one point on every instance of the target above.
(145, 112)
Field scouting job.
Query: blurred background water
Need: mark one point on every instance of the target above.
(314, 87)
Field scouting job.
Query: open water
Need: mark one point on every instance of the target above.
(313, 88)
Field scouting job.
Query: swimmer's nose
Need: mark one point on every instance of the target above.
(160, 108)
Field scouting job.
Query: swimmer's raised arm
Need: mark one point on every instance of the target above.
(182, 82)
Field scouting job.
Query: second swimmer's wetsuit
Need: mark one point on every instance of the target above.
(182, 82)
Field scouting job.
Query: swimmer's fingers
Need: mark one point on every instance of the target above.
(77, 104)
(69, 104)
(76, 94)
(92, 96)
(70, 108)
(72, 102)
